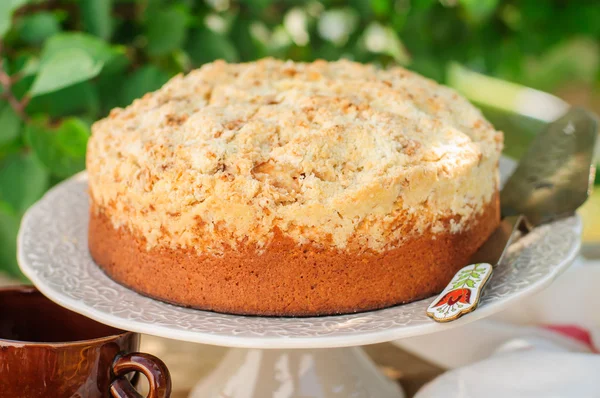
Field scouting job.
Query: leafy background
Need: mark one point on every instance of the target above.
(66, 63)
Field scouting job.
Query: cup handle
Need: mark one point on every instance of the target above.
(153, 368)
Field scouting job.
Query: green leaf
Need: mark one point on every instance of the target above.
(38, 27)
(9, 227)
(116, 65)
(381, 7)
(475, 275)
(166, 30)
(10, 148)
(206, 46)
(151, 7)
(111, 90)
(96, 17)
(182, 61)
(97, 49)
(26, 64)
(248, 46)
(110, 83)
(80, 98)
(422, 4)
(72, 137)
(63, 69)
(479, 10)
(146, 79)
(363, 7)
(22, 86)
(61, 158)
(470, 283)
(7, 8)
(23, 180)
(10, 124)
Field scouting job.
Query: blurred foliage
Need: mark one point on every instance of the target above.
(66, 63)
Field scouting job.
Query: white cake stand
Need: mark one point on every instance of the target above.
(273, 357)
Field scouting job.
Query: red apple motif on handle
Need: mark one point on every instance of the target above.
(455, 296)
(462, 294)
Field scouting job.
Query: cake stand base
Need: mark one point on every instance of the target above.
(296, 373)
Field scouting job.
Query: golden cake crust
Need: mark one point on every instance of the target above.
(287, 278)
(338, 154)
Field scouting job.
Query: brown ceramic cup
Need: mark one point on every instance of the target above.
(49, 351)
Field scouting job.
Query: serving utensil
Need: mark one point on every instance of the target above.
(551, 181)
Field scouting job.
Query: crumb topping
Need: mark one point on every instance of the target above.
(333, 153)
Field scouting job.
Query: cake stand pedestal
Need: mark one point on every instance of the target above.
(275, 357)
(298, 373)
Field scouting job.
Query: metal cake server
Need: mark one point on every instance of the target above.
(552, 180)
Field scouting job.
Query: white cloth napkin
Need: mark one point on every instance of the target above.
(546, 346)
(536, 372)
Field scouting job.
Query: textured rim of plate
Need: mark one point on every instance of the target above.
(36, 255)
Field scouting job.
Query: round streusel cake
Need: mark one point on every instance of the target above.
(281, 188)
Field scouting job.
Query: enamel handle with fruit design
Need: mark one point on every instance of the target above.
(462, 294)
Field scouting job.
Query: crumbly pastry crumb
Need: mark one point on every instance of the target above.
(332, 154)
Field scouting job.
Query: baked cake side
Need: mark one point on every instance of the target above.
(292, 189)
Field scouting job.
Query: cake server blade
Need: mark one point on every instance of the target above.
(556, 174)
(551, 181)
